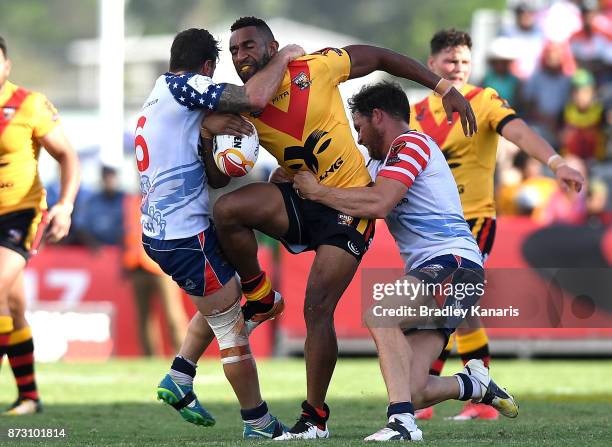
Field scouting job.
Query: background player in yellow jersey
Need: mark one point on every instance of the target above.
(472, 162)
(305, 127)
(28, 121)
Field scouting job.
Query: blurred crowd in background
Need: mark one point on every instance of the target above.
(554, 66)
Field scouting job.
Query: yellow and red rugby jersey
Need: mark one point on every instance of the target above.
(472, 160)
(305, 126)
(24, 117)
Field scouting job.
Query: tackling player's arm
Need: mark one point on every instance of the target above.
(366, 59)
(372, 202)
(58, 146)
(258, 91)
(519, 133)
(215, 178)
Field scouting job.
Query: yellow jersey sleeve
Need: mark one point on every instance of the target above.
(337, 61)
(45, 115)
(494, 107)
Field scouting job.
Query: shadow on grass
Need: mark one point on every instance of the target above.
(122, 424)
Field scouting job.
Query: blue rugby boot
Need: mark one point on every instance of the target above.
(183, 399)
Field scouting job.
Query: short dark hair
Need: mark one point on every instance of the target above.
(191, 48)
(261, 25)
(3, 46)
(449, 38)
(387, 96)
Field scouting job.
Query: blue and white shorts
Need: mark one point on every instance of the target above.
(195, 263)
(457, 274)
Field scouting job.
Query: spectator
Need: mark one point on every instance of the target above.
(148, 280)
(499, 77)
(548, 90)
(589, 45)
(531, 194)
(583, 118)
(103, 213)
(528, 40)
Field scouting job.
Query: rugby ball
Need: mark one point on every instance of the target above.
(236, 156)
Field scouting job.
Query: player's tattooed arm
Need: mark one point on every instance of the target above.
(234, 99)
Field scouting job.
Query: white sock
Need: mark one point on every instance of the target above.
(406, 419)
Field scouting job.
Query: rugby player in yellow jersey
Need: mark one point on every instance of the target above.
(305, 127)
(472, 162)
(28, 121)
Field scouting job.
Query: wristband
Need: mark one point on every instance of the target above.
(555, 161)
(443, 87)
(68, 206)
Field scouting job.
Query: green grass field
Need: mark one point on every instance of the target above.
(113, 404)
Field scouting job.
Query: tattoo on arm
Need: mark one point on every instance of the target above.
(234, 100)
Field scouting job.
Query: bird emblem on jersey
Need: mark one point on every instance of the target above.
(307, 153)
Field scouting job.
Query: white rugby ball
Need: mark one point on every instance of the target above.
(236, 156)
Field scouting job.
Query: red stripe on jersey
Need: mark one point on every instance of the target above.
(407, 166)
(14, 102)
(412, 138)
(412, 153)
(396, 176)
(292, 121)
(439, 132)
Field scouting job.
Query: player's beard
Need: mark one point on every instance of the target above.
(258, 65)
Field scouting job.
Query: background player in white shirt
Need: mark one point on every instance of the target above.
(175, 166)
(416, 194)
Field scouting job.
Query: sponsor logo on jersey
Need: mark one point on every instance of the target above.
(302, 81)
(280, 96)
(333, 168)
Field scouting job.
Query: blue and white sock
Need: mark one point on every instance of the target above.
(258, 417)
(183, 370)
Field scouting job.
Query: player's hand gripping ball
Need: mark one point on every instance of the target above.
(236, 156)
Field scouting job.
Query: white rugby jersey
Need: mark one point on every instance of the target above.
(172, 177)
(428, 221)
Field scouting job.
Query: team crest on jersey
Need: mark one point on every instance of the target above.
(393, 157)
(431, 270)
(8, 113)
(344, 219)
(302, 81)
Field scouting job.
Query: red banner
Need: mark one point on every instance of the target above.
(75, 279)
